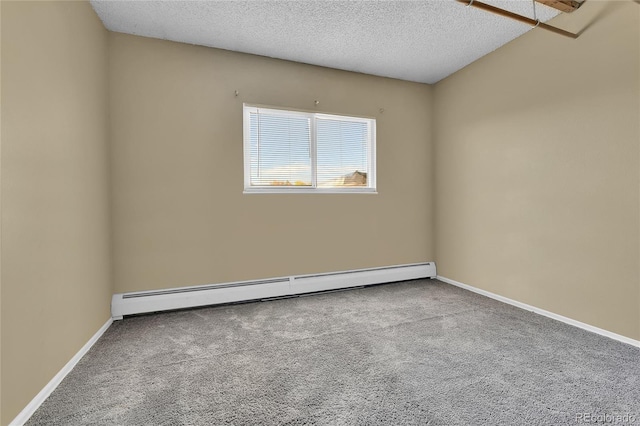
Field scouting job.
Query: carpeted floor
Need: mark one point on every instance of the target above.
(413, 353)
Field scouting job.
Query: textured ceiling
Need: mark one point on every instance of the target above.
(421, 41)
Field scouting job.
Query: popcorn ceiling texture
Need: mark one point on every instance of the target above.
(422, 41)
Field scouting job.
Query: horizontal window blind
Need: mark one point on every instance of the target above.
(307, 151)
(342, 152)
(280, 150)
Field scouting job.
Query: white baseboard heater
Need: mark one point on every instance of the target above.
(215, 294)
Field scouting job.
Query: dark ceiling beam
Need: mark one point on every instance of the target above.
(523, 19)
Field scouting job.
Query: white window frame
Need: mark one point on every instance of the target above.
(371, 187)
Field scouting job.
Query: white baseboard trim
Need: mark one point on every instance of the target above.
(215, 294)
(539, 311)
(35, 403)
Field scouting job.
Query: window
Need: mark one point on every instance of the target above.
(293, 151)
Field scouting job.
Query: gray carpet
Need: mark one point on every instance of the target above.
(413, 353)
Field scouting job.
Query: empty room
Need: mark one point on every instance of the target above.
(320, 212)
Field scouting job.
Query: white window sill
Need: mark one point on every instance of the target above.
(276, 190)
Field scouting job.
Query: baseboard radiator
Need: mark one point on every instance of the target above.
(214, 294)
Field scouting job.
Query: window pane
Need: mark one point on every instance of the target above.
(280, 150)
(342, 153)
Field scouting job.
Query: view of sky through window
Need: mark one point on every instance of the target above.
(342, 152)
(281, 151)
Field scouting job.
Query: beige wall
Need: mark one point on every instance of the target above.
(535, 171)
(0, 216)
(537, 166)
(179, 214)
(56, 282)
